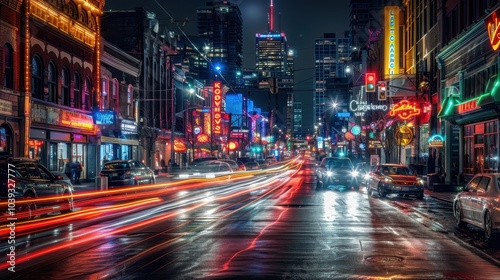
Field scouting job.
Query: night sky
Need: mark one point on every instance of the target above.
(302, 21)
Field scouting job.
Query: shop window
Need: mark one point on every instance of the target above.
(3, 140)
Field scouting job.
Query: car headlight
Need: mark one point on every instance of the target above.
(388, 180)
(366, 176)
(420, 182)
(329, 173)
(355, 173)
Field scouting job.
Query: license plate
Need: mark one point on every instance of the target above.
(405, 189)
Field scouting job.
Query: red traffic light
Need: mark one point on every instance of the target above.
(370, 82)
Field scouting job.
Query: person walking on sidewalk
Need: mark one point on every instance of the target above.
(76, 172)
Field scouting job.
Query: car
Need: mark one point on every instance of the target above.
(397, 179)
(250, 163)
(262, 163)
(338, 172)
(232, 163)
(32, 180)
(127, 173)
(241, 166)
(209, 166)
(201, 159)
(270, 160)
(478, 205)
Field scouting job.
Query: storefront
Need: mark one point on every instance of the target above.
(119, 141)
(8, 128)
(470, 107)
(59, 136)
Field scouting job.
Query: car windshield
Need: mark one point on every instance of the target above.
(338, 163)
(396, 170)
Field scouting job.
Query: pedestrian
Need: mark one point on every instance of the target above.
(67, 169)
(76, 170)
(163, 167)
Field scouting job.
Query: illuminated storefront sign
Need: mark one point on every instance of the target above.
(6, 107)
(360, 107)
(217, 105)
(435, 141)
(467, 106)
(493, 28)
(56, 116)
(104, 117)
(404, 135)
(404, 110)
(391, 35)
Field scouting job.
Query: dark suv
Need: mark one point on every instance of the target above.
(338, 172)
(24, 178)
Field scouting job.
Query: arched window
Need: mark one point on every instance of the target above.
(66, 97)
(36, 77)
(88, 94)
(77, 90)
(8, 67)
(52, 83)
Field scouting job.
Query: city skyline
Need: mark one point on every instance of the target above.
(301, 34)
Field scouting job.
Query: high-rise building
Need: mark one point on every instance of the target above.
(221, 25)
(332, 57)
(274, 65)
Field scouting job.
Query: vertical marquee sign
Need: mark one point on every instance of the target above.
(217, 107)
(493, 28)
(391, 37)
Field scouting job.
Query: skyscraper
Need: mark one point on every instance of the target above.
(221, 25)
(274, 64)
(332, 57)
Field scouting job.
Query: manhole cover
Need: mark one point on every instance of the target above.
(384, 259)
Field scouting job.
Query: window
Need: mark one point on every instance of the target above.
(36, 77)
(8, 76)
(77, 91)
(66, 98)
(104, 93)
(114, 103)
(52, 83)
(88, 94)
(482, 187)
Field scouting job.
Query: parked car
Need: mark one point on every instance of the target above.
(209, 166)
(202, 159)
(234, 165)
(127, 173)
(241, 166)
(479, 204)
(338, 172)
(250, 163)
(395, 179)
(271, 160)
(33, 180)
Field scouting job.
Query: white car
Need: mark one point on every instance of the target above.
(479, 204)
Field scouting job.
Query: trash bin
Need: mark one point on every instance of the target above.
(102, 182)
(432, 178)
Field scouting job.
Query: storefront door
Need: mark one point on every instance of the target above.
(478, 159)
(80, 155)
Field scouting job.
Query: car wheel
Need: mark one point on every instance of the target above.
(69, 204)
(30, 207)
(380, 190)
(488, 227)
(458, 215)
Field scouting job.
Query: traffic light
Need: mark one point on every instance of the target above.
(370, 82)
(382, 90)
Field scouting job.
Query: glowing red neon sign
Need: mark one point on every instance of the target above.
(217, 108)
(404, 110)
(493, 29)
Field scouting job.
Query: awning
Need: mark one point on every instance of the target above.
(120, 141)
(492, 95)
(448, 106)
(179, 146)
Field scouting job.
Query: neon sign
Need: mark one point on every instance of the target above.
(217, 105)
(467, 106)
(493, 28)
(360, 107)
(391, 35)
(404, 110)
(435, 141)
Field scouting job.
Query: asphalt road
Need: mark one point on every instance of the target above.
(269, 225)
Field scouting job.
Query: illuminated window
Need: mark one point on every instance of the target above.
(88, 93)
(104, 93)
(115, 104)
